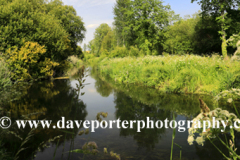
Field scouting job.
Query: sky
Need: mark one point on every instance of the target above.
(96, 12)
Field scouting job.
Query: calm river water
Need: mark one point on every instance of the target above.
(67, 98)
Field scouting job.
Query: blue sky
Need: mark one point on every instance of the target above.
(95, 12)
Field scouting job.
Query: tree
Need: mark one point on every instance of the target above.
(84, 47)
(142, 23)
(99, 34)
(72, 23)
(108, 42)
(52, 25)
(122, 11)
(219, 8)
(180, 36)
(22, 21)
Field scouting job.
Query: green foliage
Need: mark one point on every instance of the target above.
(99, 35)
(50, 24)
(23, 21)
(72, 23)
(220, 9)
(5, 76)
(181, 36)
(75, 62)
(142, 23)
(29, 62)
(119, 52)
(178, 74)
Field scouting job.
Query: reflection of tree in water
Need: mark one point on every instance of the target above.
(186, 105)
(130, 109)
(102, 87)
(50, 101)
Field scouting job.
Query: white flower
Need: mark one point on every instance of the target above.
(200, 116)
(236, 119)
(224, 112)
(191, 131)
(218, 109)
(230, 100)
(200, 140)
(190, 140)
(232, 115)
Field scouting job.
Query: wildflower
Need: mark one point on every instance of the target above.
(232, 115)
(94, 151)
(86, 131)
(190, 140)
(230, 100)
(80, 133)
(105, 150)
(224, 112)
(200, 116)
(200, 140)
(236, 119)
(93, 145)
(191, 131)
(205, 119)
(85, 146)
(218, 109)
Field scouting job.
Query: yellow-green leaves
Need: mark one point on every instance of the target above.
(28, 62)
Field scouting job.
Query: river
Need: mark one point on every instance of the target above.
(85, 95)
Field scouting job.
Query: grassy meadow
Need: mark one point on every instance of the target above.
(174, 73)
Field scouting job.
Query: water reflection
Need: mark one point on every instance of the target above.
(45, 100)
(73, 99)
(130, 109)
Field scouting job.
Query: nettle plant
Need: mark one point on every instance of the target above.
(223, 124)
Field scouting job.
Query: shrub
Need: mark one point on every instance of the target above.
(5, 77)
(119, 52)
(29, 62)
(134, 51)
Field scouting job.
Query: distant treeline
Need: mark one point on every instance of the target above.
(147, 27)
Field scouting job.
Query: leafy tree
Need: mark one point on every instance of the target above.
(50, 24)
(84, 47)
(180, 36)
(206, 38)
(142, 23)
(108, 42)
(72, 23)
(21, 21)
(122, 11)
(99, 35)
(219, 8)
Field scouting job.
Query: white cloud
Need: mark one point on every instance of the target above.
(88, 3)
(92, 25)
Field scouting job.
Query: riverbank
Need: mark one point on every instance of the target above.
(174, 74)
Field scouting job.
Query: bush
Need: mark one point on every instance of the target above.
(5, 77)
(119, 52)
(29, 62)
(134, 51)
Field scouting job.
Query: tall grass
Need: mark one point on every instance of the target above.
(176, 74)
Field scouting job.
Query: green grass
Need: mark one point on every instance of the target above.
(174, 74)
